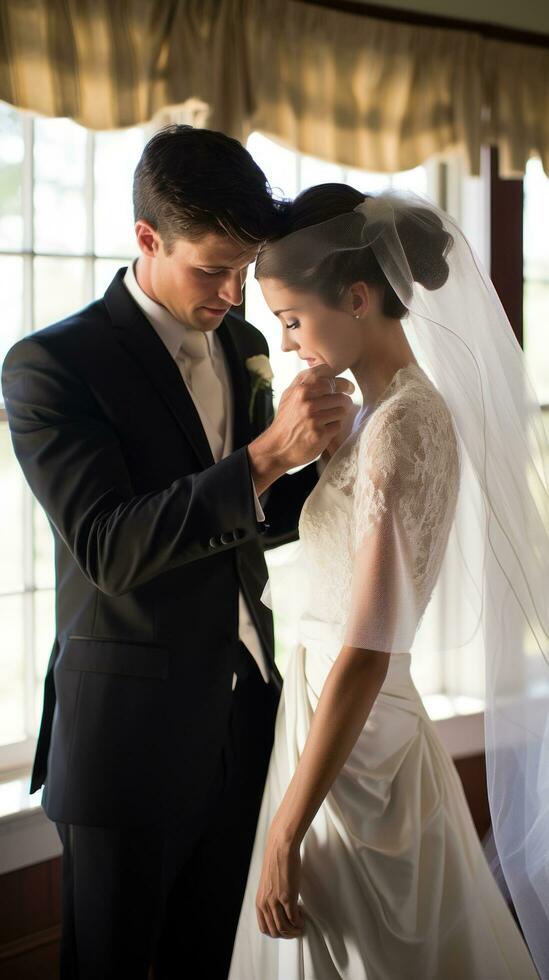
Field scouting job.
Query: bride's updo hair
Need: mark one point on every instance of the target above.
(424, 239)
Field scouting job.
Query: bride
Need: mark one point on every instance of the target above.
(366, 864)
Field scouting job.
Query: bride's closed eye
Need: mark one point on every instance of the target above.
(293, 326)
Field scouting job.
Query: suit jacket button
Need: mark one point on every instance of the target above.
(213, 542)
(227, 537)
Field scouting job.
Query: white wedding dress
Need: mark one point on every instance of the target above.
(394, 883)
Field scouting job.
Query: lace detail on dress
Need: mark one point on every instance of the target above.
(397, 477)
(343, 475)
(344, 471)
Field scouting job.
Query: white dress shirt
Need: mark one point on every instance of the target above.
(172, 334)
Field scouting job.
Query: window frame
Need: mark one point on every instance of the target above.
(18, 755)
(445, 185)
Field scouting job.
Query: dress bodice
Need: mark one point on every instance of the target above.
(375, 527)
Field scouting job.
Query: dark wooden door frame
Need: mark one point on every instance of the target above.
(506, 243)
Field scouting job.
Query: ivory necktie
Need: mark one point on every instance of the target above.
(198, 370)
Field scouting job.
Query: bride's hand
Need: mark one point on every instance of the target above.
(278, 912)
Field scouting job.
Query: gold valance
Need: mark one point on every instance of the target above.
(367, 93)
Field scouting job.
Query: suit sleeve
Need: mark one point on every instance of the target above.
(74, 464)
(284, 499)
(283, 503)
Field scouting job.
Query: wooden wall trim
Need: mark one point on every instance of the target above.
(30, 942)
(30, 921)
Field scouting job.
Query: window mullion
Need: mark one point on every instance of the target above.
(298, 172)
(28, 183)
(27, 516)
(432, 170)
(29, 624)
(28, 225)
(89, 192)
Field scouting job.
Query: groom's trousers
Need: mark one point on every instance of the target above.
(170, 894)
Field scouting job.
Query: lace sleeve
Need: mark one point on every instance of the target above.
(384, 608)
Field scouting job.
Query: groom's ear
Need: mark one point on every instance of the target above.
(148, 239)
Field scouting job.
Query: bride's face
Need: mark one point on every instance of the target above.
(319, 333)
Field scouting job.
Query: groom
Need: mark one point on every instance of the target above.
(143, 425)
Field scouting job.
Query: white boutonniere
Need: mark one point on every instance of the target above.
(261, 374)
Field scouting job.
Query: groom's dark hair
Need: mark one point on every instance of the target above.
(189, 182)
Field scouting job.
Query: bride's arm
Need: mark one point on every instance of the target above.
(381, 609)
(346, 700)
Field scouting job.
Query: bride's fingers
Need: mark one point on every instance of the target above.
(286, 928)
(294, 911)
(266, 922)
(261, 921)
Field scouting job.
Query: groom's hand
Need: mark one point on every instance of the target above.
(310, 414)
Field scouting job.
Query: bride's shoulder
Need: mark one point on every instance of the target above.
(412, 411)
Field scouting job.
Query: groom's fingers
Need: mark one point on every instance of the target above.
(329, 402)
(319, 379)
(326, 386)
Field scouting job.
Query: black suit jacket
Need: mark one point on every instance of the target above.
(152, 542)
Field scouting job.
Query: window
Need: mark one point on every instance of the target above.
(536, 290)
(536, 279)
(65, 228)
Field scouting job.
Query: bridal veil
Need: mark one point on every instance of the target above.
(498, 548)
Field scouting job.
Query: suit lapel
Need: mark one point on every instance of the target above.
(240, 384)
(141, 341)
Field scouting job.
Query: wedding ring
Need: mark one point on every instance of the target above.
(333, 387)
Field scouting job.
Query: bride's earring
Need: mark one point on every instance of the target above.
(357, 316)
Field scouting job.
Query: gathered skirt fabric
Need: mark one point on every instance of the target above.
(394, 882)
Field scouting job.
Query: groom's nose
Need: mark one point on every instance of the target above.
(231, 290)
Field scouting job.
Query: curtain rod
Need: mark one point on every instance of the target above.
(493, 31)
